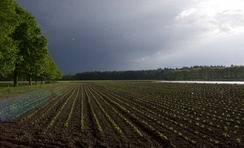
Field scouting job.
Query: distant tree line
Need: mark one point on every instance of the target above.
(23, 48)
(184, 73)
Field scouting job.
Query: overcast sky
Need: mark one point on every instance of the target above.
(90, 35)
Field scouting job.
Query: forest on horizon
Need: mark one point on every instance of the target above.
(232, 72)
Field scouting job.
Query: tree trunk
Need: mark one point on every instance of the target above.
(30, 79)
(41, 80)
(16, 83)
(36, 80)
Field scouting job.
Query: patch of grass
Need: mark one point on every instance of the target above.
(16, 90)
(6, 88)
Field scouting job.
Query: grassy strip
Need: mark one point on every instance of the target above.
(8, 90)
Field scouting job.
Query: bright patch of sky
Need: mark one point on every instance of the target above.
(210, 33)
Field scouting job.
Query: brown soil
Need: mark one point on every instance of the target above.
(50, 125)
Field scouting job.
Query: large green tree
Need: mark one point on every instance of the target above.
(9, 20)
(32, 45)
(34, 59)
(23, 48)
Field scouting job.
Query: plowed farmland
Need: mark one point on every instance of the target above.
(132, 114)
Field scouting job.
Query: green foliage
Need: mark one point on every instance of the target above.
(8, 47)
(32, 45)
(8, 18)
(35, 56)
(51, 69)
(8, 57)
(23, 48)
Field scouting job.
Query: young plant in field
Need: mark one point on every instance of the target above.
(238, 140)
(226, 135)
(216, 141)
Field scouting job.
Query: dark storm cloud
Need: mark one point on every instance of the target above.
(88, 35)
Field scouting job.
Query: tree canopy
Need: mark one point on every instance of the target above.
(23, 47)
(9, 20)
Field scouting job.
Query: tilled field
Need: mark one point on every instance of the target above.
(132, 114)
